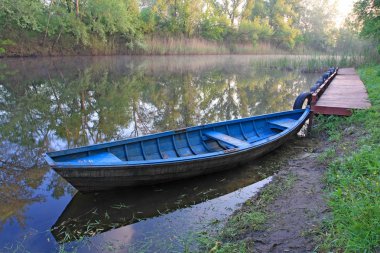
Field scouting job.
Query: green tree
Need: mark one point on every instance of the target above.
(112, 17)
(368, 18)
(178, 16)
(166, 12)
(254, 30)
(191, 12)
(317, 24)
(231, 8)
(273, 19)
(214, 25)
(247, 9)
(4, 43)
(82, 20)
(22, 14)
(148, 18)
(260, 9)
(282, 16)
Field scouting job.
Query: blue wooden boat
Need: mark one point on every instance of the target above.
(176, 154)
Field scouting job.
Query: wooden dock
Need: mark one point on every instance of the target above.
(342, 94)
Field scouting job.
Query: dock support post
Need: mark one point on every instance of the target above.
(310, 125)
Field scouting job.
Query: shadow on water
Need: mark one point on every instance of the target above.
(56, 103)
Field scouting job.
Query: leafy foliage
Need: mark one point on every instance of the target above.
(25, 14)
(317, 24)
(284, 24)
(3, 43)
(255, 30)
(368, 17)
(97, 18)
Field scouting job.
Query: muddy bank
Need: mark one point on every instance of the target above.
(289, 211)
(296, 214)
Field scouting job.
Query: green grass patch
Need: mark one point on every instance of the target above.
(354, 180)
(328, 155)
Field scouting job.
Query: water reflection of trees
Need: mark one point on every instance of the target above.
(95, 107)
(15, 194)
(17, 179)
(102, 104)
(22, 171)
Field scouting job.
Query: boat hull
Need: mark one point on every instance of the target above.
(111, 177)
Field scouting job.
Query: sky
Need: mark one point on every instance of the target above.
(344, 7)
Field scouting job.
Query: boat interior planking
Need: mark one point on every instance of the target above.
(182, 144)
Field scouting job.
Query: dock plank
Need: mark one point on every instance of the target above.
(347, 71)
(345, 92)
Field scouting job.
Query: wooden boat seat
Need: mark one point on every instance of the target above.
(256, 139)
(99, 158)
(282, 124)
(226, 139)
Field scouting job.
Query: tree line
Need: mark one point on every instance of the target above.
(282, 23)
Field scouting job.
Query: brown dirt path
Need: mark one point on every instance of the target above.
(297, 212)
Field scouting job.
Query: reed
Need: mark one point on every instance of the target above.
(314, 63)
(184, 46)
(262, 48)
(197, 46)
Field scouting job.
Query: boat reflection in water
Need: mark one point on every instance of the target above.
(92, 213)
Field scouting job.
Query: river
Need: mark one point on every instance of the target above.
(49, 104)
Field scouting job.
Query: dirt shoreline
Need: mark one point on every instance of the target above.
(295, 215)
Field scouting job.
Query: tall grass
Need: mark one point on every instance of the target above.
(261, 48)
(186, 46)
(170, 45)
(315, 63)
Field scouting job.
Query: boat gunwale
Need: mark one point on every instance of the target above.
(178, 160)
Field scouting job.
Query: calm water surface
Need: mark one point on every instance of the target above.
(49, 104)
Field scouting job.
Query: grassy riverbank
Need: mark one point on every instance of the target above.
(350, 161)
(21, 45)
(353, 175)
(199, 46)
